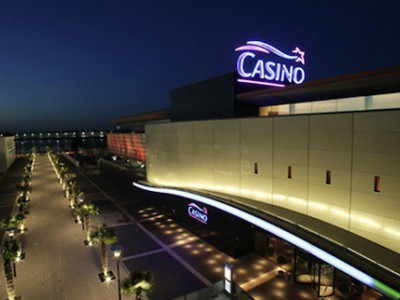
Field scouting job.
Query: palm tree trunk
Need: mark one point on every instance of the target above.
(19, 244)
(71, 199)
(87, 224)
(8, 275)
(104, 258)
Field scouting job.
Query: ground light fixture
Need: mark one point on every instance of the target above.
(283, 234)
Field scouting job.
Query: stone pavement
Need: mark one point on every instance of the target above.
(57, 265)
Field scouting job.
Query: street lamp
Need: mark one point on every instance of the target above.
(117, 254)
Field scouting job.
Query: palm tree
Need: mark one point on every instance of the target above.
(88, 210)
(79, 195)
(22, 205)
(70, 185)
(74, 194)
(8, 224)
(79, 214)
(104, 236)
(10, 251)
(20, 222)
(27, 183)
(137, 283)
(63, 171)
(27, 168)
(20, 189)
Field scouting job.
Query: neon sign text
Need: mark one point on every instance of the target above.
(198, 213)
(253, 69)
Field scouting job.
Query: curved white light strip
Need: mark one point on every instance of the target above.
(291, 238)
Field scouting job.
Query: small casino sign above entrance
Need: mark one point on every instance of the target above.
(198, 213)
(263, 64)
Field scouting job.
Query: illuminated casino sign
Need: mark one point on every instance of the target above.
(198, 213)
(263, 64)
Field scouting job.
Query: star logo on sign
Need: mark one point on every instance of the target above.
(301, 55)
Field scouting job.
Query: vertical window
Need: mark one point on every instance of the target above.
(289, 172)
(255, 168)
(377, 184)
(328, 177)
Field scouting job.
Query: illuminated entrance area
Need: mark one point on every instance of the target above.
(297, 260)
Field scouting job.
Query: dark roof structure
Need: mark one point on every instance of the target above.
(379, 81)
(139, 120)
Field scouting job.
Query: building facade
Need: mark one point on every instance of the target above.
(341, 168)
(7, 152)
(318, 160)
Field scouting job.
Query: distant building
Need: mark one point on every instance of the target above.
(7, 152)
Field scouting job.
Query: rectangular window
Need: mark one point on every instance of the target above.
(328, 177)
(377, 184)
(255, 168)
(289, 172)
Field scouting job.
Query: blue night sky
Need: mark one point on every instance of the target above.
(77, 64)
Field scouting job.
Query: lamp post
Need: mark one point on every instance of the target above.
(117, 254)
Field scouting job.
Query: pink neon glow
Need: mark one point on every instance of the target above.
(301, 55)
(252, 48)
(261, 82)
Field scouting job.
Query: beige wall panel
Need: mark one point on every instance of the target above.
(290, 140)
(262, 125)
(227, 156)
(228, 167)
(299, 173)
(227, 133)
(330, 140)
(203, 178)
(291, 132)
(331, 131)
(294, 195)
(330, 159)
(376, 163)
(339, 178)
(257, 187)
(382, 142)
(185, 148)
(291, 156)
(203, 132)
(390, 187)
(229, 152)
(256, 152)
(363, 182)
(329, 204)
(329, 196)
(377, 121)
(376, 204)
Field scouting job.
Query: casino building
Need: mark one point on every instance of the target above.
(315, 165)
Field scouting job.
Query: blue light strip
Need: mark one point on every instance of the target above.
(283, 234)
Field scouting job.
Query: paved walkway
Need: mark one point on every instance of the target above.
(57, 265)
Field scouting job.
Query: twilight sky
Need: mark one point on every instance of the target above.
(76, 64)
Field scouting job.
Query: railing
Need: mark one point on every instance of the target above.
(211, 292)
